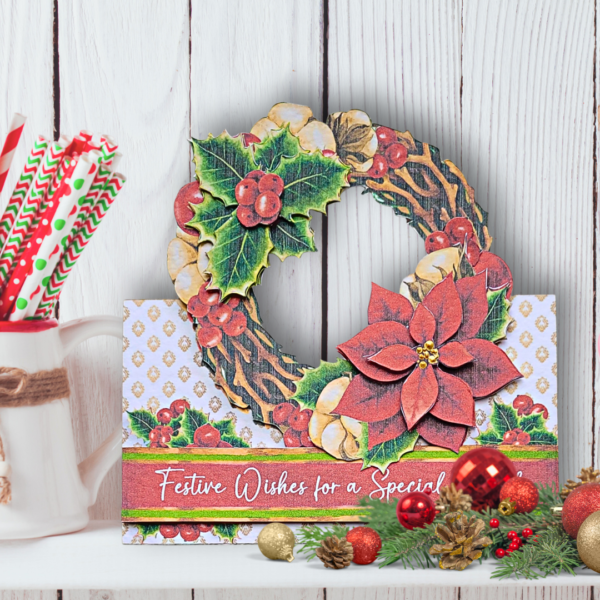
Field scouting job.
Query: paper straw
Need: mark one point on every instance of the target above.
(92, 196)
(108, 148)
(77, 246)
(87, 135)
(10, 145)
(20, 192)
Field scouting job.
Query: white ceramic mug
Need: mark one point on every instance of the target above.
(51, 493)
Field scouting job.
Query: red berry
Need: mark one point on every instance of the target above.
(437, 240)
(188, 194)
(510, 437)
(154, 435)
(223, 444)
(523, 404)
(207, 436)
(271, 183)
(385, 136)
(527, 532)
(164, 416)
(236, 325)
(511, 535)
(291, 439)
(166, 430)
(473, 252)
(305, 440)
(169, 531)
(178, 407)
(300, 419)
(327, 152)
(498, 273)
(459, 230)
(270, 220)
(233, 302)
(250, 138)
(500, 553)
(220, 314)
(165, 439)
(246, 192)
(208, 297)
(204, 527)
(209, 337)
(156, 445)
(255, 175)
(267, 204)
(189, 532)
(539, 408)
(197, 308)
(379, 167)
(247, 216)
(523, 439)
(509, 550)
(282, 412)
(494, 523)
(514, 546)
(396, 155)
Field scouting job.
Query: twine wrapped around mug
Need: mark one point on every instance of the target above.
(20, 388)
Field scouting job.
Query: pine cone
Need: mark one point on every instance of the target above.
(453, 499)
(587, 475)
(335, 553)
(462, 542)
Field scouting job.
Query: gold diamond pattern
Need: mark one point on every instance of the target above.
(511, 353)
(526, 370)
(169, 358)
(125, 405)
(184, 373)
(541, 323)
(512, 387)
(542, 385)
(200, 389)
(512, 326)
(541, 297)
(542, 354)
(153, 343)
(153, 374)
(169, 328)
(126, 314)
(153, 405)
(526, 339)
(525, 308)
(137, 389)
(153, 313)
(184, 343)
(125, 343)
(168, 389)
(215, 404)
(125, 374)
(138, 328)
(137, 358)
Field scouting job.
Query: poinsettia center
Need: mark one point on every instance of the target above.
(428, 354)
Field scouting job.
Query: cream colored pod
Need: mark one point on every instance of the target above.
(187, 264)
(276, 541)
(337, 435)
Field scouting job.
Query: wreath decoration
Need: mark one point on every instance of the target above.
(428, 352)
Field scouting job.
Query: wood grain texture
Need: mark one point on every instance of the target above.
(399, 593)
(124, 70)
(246, 56)
(527, 593)
(260, 594)
(126, 595)
(27, 595)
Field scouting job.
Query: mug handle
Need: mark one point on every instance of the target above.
(94, 468)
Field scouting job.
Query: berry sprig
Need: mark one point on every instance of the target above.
(169, 426)
(289, 414)
(208, 436)
(458, 232)
(259, 198)
(391, 155)
(189, 532)
(515, 542)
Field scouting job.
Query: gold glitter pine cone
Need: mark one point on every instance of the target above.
(587, 475)
(335, 553)
(462, 541)
(454, 500)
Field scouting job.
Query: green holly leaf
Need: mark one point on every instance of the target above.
(192, 419)
(292, 238)
(226, 531)
(497, 320)
(530, 422)
(209, 216)
(311, 182)
(225, 427)
(142, 422)
(238, 257)
(313, 381)
(221, 163)
(147, 529)
(383, 455)
(278, 144)
(180, 441)
(542, 437)
(489, 438)
(235, 441)
(504, 418)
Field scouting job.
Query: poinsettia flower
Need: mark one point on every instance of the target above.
(423, 368)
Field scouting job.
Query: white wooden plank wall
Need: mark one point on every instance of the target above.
(507, 90)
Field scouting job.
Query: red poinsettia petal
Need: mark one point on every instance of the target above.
(386, 430)
(422, 325)
(473, 297)
(371, 340)
(388, 306)
(396, 358)
(369, 401)
(444, 304)
(455, 401)
(419, 393)
(439, 433)
(490, 370)
(454, 354)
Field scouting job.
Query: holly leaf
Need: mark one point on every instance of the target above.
(225, 427)
(542, 437)
(142, 422)
(235, 441)
(226, 531)
(192, 419)
(504, 418)
(278, 144)
(221, 163)
(530, 422)
(313, 381)
(147, 529)
(238, 257)
(311, 181)
(209, 216)
(497, 320)
(292, 238)
(180, 441)
(383, 455)
(489, 438)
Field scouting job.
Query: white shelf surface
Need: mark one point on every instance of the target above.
(95, 559)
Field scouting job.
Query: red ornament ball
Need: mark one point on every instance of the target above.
(366, 544)
(523, 492)
(481, 472)
(415, 509)
(579, 505)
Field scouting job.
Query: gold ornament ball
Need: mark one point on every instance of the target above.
(276, 541)
(588, 542)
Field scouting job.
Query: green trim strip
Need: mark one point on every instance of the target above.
(242, 513)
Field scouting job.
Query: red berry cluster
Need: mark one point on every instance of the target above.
(189, 532)
(391, 154)
(259, 198)
(208, 436)
(161, 435)
(457, 232)
(289, 414)
(525, 406)
(215, 317)
(515, 542)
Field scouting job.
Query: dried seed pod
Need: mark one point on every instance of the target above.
(262, 128)
(296, 115)
(355, 138)
(188, 282)
(331, 395)
(316, 136)
(179, 255)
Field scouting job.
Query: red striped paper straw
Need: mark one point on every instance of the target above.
(10, 145)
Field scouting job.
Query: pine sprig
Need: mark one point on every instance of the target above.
(311, 536)
(411, 548)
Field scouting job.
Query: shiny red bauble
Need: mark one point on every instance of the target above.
(366, 543)
(481, 472)
(415, 509)
(579, 505)
(522, 492)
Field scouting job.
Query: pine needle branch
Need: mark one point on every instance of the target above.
(311, 536)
